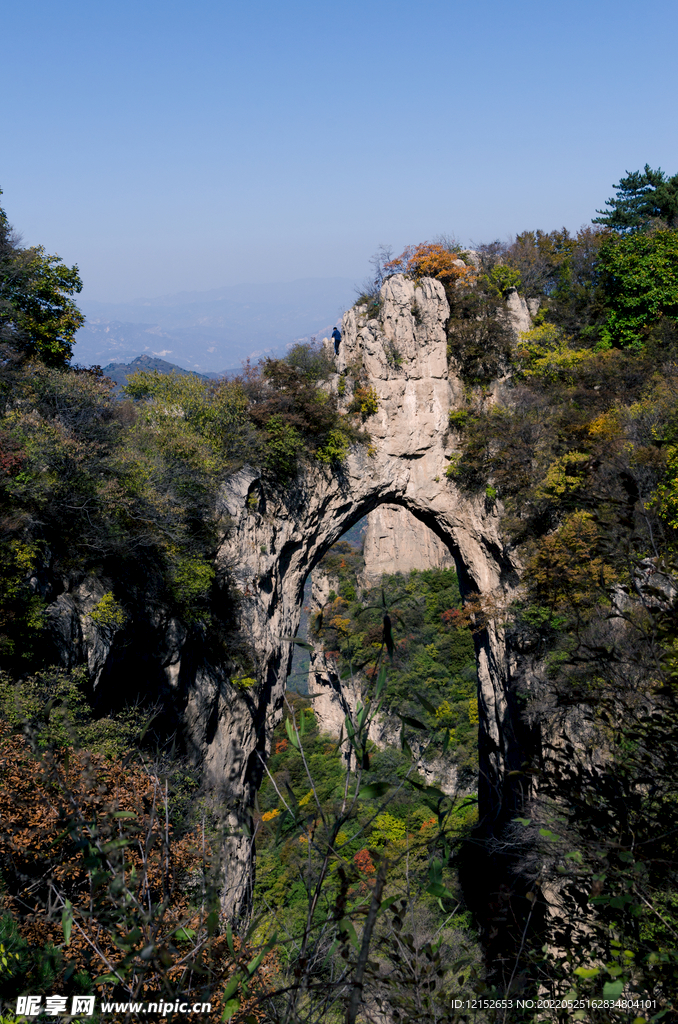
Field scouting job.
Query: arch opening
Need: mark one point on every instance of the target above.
(433, 644)
(391, 557)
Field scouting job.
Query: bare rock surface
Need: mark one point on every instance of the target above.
(395, 541)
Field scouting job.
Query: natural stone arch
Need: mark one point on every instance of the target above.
(279, 534)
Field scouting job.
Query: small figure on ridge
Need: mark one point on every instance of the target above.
(336, 337)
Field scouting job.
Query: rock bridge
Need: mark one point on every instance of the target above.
(279, 534)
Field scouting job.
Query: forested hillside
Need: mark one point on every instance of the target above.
(396, 900)
(579, 453)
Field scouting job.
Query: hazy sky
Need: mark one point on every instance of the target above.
(165, 145)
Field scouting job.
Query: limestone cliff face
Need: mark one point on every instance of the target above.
(279, 533)
(395, 541)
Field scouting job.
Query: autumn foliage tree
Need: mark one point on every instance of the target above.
(430, 259)
(101, 891)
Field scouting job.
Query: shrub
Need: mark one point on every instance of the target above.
(190, 579)
(504, 278)
(393, 355)
(282, 446)
(335, 448)
(565, 477)
(365, 400)
(479, 334)
(453, 466)
(458, 418)
(66, 804)
(387, 829)
(369, 305)
(640, 281)
(296, 417)
(568, 568)
(108, 613)
(364, 863)
(311, 360)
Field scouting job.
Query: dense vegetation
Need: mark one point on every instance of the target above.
(125, 491)
(119, 498)
(577, 453)
(107, 860)
(106, 857)
(328, 841)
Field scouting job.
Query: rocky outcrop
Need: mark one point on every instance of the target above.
(279, 533)
(77, 634)
(520, 311)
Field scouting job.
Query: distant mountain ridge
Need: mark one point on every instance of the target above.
(120, 372)
(208, 331)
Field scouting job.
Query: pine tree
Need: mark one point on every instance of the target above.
(642, 196)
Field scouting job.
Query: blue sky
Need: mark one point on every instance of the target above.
(165, 145)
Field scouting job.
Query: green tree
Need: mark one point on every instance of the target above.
(642, 196)
(37, 317)
(640, 281)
